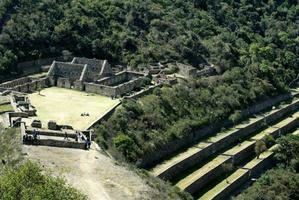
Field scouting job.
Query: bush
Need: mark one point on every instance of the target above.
(27, 182)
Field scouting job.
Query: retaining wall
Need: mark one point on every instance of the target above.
(231, 139)
(103, 117)
(171, 147)
(253, 172)
(63, 144)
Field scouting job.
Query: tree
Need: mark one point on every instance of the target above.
(259, 148)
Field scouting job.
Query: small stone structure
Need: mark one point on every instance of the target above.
(189, 71)
(23, 104)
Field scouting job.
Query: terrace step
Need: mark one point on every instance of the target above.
(176, 165)
(240, 177)
(201, 177)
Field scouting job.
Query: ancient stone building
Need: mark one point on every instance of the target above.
(95, 76)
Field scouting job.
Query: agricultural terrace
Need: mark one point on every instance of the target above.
(65, 106)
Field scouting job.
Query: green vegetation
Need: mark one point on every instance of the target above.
(281, 182)
(165, 189)
(253, 41)
(27, 182)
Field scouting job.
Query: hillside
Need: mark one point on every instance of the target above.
(252, 44)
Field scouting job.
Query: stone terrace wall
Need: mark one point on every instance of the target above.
(16, 82)
(248, 174)
(167, 149)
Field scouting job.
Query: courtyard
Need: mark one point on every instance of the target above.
(65, 106)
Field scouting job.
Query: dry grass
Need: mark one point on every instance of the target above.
(65, 106)
(5, 108)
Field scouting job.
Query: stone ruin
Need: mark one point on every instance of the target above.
(94, 76)
(90, 75)
(22, 104)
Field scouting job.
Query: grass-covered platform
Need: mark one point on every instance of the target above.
(65, 106)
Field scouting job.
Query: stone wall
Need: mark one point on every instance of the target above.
(247, 174)
(113, 91)
(100, 89)
(63, 144)
(16, 82)
(96, 68)
(114, 80)
(103, 117)
(230, 140)
(52, 133)
(32, 86)
(167, 149)
(34, 66)
(207, 177)
(236, 159)
(186, 70)
(64, 83)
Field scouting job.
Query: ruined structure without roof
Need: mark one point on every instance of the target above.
(94, 76)
(90, 75)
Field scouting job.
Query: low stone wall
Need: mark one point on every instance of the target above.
(52, 133)
(173, 146)
(63, 144)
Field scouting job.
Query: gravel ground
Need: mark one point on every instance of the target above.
(92, 172)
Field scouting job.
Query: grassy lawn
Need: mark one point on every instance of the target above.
(5, 108)
(65, 106)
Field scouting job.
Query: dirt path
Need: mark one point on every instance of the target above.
(91, 172)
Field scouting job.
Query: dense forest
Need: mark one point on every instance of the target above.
(282, 182)
(254, 42)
